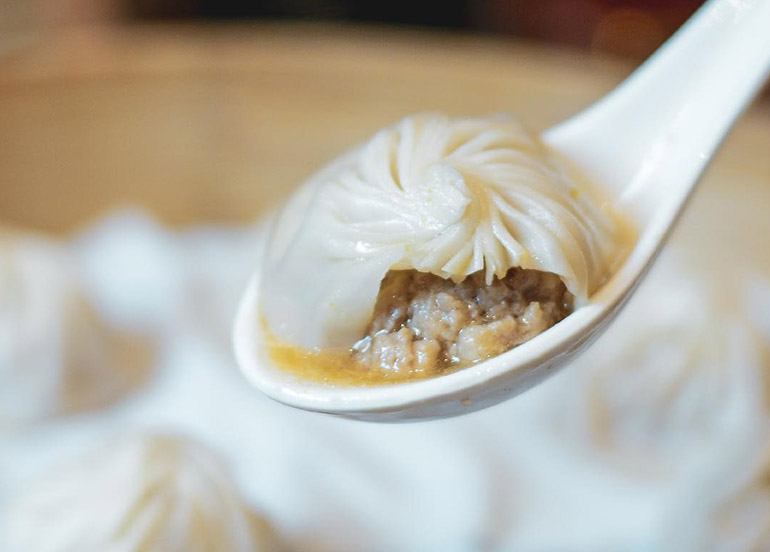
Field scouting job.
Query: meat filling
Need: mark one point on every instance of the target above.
(425, 324)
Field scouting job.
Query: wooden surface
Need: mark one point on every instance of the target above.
(208, 124)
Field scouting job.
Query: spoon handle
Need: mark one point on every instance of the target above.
(661, 126)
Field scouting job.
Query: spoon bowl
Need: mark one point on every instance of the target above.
(645, 146)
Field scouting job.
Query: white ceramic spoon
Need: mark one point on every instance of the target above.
(646, 144)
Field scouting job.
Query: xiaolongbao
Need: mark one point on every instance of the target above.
(682, 373)
(143, 493)
(449, 197)
(55, 355)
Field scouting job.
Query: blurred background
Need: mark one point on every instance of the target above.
(630, 28)
(181, 106)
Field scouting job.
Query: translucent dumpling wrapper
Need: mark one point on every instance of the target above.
(137, 493)
(445, 196)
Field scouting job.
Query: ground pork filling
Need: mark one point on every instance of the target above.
(424, 324)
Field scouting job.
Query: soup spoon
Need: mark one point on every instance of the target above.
(645, 144)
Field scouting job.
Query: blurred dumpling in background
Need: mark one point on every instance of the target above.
(55, 355)
(138, 493)
(685, 367)
(146, 279)
(725, 509)
(676, 398)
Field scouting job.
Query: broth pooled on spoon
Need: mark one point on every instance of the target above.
(437, 244)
